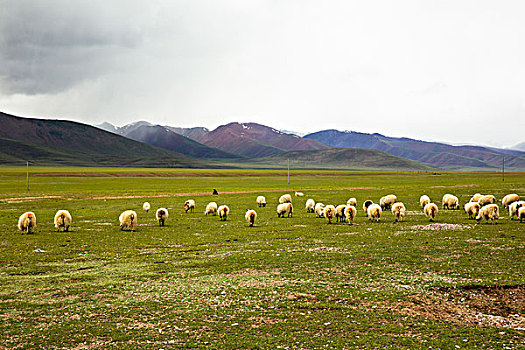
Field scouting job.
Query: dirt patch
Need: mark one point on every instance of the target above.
(485, 306)
(26, 199)
(455, 186)
(440, 227)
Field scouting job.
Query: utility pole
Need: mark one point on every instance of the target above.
(27, 176)
(288, 171)
(503, 169)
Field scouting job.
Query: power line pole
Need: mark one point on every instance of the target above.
(27, 176)
(288, 171)
(503, 169)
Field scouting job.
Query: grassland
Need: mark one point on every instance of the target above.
(294, 283)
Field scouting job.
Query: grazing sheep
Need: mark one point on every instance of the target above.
(310, 204)
(472, 209)
(62, 220)
(299, 194)
(161, 215)
(424, 200)
(27, 222)
(488, 199)
(329, 213)
(128, 219)
(261, 201)
(146, 206)
(211, 208)
(488, 212)
(521, 213)
(450, 202)
(366, 204)
(350, 214)
(284, 208)
(250, 216)
(387, 201)
(398, 210)
(189, 205)
(476, 197)
(285, 198)
(224, 211)
(431, 211)
(514, 207)
(352, 201)
(319, 210)
(374, 212)
(340, 212)
(509, 199)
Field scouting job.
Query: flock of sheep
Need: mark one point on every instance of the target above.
(480, 207)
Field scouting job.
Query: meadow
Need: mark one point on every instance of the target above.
(288, 283)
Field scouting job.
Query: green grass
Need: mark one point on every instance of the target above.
(287, 282)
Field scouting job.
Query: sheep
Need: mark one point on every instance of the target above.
(350, 214)
(310, 204)
(374, 212)
(261, 201)
(366, 204)
(329, 213)
(509, 199)
(488, 199)
(189, 205)
(250, 216)
(424, 200)
(128, 219)
(521, 213)
(62, 220)
(472, 209)
(488, 212)
(27, 222)
(387, 201)
(146, 206)
(476, 197)
(514, 207)
(211, 208)
(285, 198)
(352, 201)
(450, 202)
(299, 194)
(284, 208)
(431, 211)
(161, 215)
(319, 209)
(398, 210)
(340, 212)
(224, 211)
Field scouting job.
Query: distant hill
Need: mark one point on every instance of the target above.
(196, 134)
(256, 140)
(519, 147)
(52, 142)
(343, 158)
(432, 153)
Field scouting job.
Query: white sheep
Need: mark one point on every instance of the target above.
(450, 202)
(514, 207)
(250, 216)
(299, 194)
(285, 198)
(509, 199)
(189, 205)
(366, 204)
(374, 212)
(284, 208)
(211, 208)
(261, 201)
(27, 222)
(319, 209)
(487, 199)
(310, 205)
(488, 212)
(62, 220)
(476, 197)
(398, 210)
(431, 211)
(146, 206)
(350, 214)
(128, 219)
(161, 215)
(424, 200)
(340, 212)
(223, 211)
(329, 213)
(386, 201)
(352, 201)
(472, 209)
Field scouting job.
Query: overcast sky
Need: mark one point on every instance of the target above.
(434, 70)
